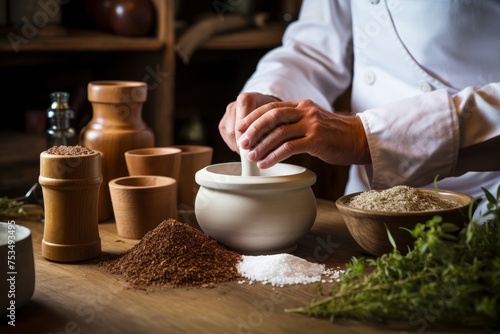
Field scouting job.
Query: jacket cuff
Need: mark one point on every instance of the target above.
(412, 140)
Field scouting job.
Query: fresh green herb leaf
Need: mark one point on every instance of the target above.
(489, 196)
(10, 207)
(391, 239)
(450, 276)
(436, 178)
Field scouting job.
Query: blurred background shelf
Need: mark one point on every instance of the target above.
(252, 38)
(185, 100)
(80, 40)
(19, 161)
(65, 57)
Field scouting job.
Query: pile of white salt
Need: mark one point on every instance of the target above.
(284, 269)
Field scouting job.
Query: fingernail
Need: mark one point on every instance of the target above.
(251, 155)
(243, 142)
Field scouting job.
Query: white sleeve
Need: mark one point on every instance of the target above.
(413, 140)
(314, 61)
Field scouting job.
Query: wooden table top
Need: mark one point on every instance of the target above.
(83, 298)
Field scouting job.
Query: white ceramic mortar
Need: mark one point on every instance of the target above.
(17, 268)
(263, 214)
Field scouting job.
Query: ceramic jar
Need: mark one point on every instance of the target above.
(99, 12)
(123, 17)
(256, 214)
(132, 17)
(116, 126)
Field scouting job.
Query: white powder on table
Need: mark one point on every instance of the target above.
(284, 269)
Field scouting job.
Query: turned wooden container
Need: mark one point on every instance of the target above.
(70, 185)
(193, 158)
(142, 202)
(116, 127)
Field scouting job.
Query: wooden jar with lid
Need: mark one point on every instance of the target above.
(70, 185)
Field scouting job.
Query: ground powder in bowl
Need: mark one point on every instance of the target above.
(400, 199)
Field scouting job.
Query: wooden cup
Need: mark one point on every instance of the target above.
(141, 203)
(193, 158)
(70, 185)
(162, 161)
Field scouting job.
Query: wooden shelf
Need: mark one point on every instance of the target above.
(51, 43)
(81, 40)
(256, 38)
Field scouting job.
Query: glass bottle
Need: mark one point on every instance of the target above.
(59, 114)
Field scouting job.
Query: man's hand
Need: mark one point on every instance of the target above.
(275, 131)
(237, 110)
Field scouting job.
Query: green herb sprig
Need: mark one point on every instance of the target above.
(451, 276)
(9, 207)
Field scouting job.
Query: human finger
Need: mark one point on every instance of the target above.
(276, 137)
(244, 122)
(282, 152)
(245, 103)
(227, 127)
(264, 122)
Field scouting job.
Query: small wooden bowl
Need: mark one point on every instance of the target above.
(368, 227)
(162, 161)
(142, 202)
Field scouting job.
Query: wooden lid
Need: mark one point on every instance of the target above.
(71, 167)
(117, 91)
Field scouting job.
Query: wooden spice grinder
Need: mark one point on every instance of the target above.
(70, 185)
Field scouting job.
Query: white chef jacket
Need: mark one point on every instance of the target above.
(425, 83)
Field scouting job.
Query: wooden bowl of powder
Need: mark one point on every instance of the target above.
(368, 215)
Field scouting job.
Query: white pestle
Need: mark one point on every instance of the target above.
(248, 168)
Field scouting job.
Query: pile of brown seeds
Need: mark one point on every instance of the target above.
(400, 199)
(70, 150)
(176, 254)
